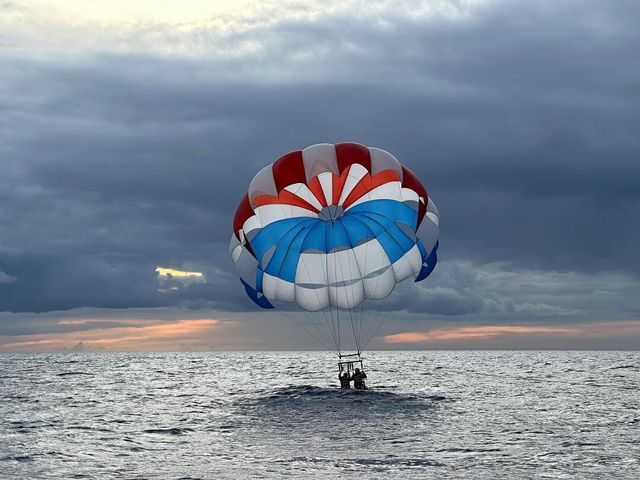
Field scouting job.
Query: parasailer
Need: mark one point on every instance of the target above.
(332, 229)
(345, 379)
(358, 379)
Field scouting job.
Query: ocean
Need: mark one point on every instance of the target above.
(428, 414)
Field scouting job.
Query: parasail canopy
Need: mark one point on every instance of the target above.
(332, 226)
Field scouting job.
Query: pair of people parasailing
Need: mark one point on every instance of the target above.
(357, 378)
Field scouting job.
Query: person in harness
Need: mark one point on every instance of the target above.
(345, 379)
(358, 380)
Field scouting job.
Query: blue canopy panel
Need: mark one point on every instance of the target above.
(256, 295)
(428, 263)
(391, 209)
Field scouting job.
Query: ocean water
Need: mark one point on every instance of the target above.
(280, 415)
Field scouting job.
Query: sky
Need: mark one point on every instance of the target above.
(129, 131)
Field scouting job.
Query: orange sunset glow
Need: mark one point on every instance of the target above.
(129, 334)
(489, 331)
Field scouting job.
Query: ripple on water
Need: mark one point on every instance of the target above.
(168, 431)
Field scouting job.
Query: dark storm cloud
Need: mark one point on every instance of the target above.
(521, 119)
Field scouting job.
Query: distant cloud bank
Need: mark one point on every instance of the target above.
(129, 135)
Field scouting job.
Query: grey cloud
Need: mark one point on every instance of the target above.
(495, 293)
(5, 278)
(521, 118)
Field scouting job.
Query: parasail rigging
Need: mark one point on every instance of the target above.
(332, 231)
